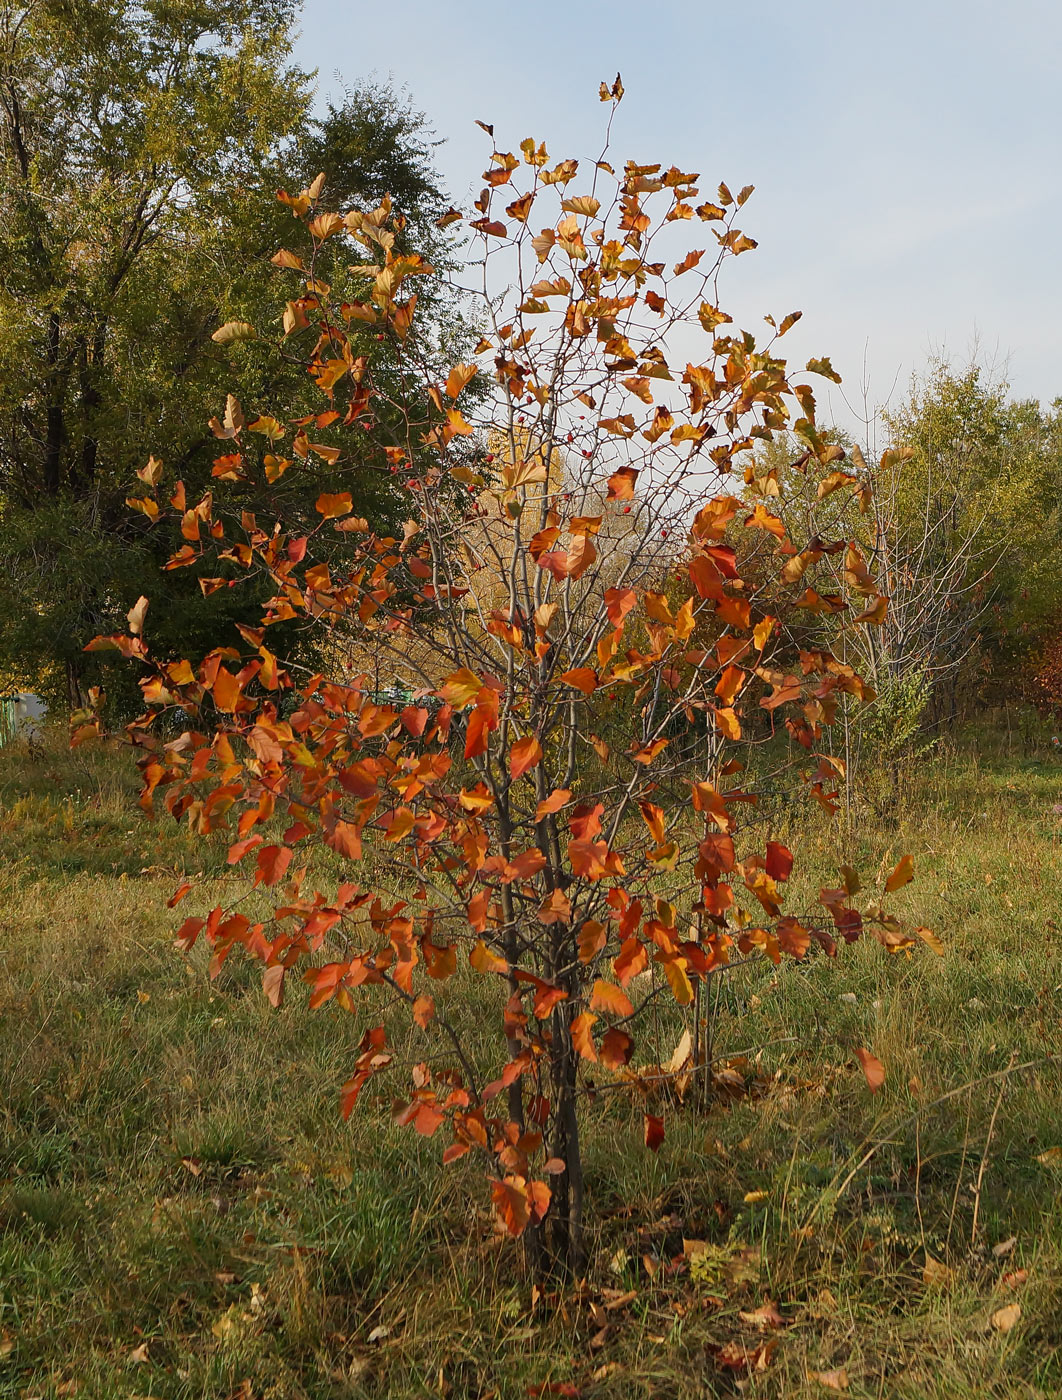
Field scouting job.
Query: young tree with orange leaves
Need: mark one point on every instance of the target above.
(482, 828)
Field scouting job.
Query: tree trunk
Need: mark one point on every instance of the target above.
(568, 1246)
(75, 695)
(53, 443)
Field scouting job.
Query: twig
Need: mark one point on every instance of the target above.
(984, 1154)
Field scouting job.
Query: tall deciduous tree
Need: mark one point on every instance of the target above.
(142, 145)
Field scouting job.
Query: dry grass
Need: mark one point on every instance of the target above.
(183, 1213)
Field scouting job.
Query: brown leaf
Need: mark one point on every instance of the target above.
(935, 1274)
(763, 1317)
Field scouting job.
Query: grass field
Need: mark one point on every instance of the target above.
(183, 1213)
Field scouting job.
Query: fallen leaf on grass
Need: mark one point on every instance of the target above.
(736, 1356)
(753, 1198)
(763, 1317)
(1052, 1156)
(1014, 1279)
(620, 1300)
(935, 1274)
(832, 1380)
(610, 1368)
(1005, 1318)
(1004, 1247)
(872, 1067)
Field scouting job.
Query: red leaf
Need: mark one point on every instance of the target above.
(779, 861)
(654, 1132)
(616, 1048)
(582, 1035)
(273, 862)
(619, 602)
(510, 1203)
(414, 718)
(553, 803)
(621, 484)
(226, 690)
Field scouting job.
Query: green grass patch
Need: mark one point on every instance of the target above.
(183, 1213)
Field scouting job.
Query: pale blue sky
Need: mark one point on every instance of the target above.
(906, 156)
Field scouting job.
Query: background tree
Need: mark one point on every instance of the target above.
(945, 517)
(141, 152)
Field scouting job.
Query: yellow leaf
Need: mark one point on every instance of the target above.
(461, 688)
(459, 376)
(675, 971)
(483, 960)
(232, 331)
(152, 472)
(1005, 1318)
(930, 939)
(136, 616)
(581, 204)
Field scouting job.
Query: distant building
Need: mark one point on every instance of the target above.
(22, 713)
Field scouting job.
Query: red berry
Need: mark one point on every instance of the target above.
(626, 510)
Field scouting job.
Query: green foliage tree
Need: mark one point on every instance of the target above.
(141, 151)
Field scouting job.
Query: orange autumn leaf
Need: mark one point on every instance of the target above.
(525, 754)
(557, 799)
(903, 873)
(608, 997)
(332, 506)
(582, 1039)
(582, 678)
(872, 1068)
